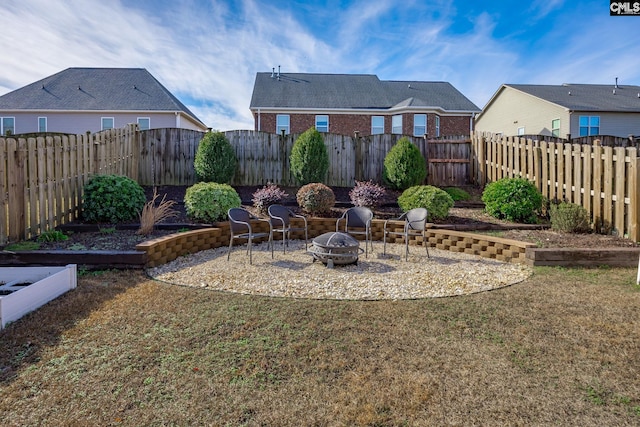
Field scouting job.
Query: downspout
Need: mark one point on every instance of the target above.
(177, 119)
(259, 119)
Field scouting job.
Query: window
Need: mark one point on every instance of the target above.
(144, 123)
(396, 125)
(589, 125)
(521, 131)
(107, 123)
(419, 124)
(322, 123)
(437, 126)
(555, 127)
(42, 124)
(7, 125)
(377, 125)
(282, 123)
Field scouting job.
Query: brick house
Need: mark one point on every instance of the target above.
(349, 103)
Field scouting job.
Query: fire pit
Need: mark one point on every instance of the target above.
(335, 248)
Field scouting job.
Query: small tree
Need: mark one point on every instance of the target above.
(404, 166)
(215, 159)
(309, 160)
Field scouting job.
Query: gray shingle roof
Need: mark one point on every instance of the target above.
(353, 91)
(587, 97)
(95, 89)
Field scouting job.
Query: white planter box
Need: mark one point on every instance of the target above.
(46, 283)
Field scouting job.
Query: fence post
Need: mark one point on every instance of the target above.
(634, 200)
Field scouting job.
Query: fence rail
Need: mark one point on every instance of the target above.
(604, 180)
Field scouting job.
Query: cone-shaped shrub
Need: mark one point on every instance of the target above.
(215, 159)
(309, 161)
(404, 166)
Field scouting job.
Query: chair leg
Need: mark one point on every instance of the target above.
(284, 240)
(384, 242)
(406, 247)
(249, 249)
(425, 243)
(229, 250)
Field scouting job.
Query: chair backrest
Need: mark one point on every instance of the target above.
(237, 215)
(279, 215)
(417, 218)
(358, 216)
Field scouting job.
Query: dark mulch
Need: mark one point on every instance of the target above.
(466, 214)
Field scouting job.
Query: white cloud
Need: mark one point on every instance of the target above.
(208, 52)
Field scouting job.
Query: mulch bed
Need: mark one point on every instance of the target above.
(469, 215)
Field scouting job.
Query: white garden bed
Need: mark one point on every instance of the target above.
(24, 289)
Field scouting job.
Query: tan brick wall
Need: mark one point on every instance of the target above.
(164, 249)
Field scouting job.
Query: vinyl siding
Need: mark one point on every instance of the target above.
(512, 109)
(618, 124)
(75, 123)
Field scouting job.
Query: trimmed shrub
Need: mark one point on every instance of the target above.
(112, 199)
(367, 193)
(569, 217)
(315, 198)
(513, 199)
(210, 201)
(436, 200)
(309, 161)
(215, 159)
(404, 166)
(268, 195)
(457, 193)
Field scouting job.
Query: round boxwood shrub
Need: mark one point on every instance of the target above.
(404, 166)
(513, 199)
(309, 161)
(112, 199)
(569, 217)
(215, 159)
(435, 200)
(315, 198)
(210, 201)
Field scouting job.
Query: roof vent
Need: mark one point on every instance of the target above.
(614, 91)
(616, 82)
(278, 72)
(273, 72)
(135, 87)
(569, 93)
(409, 85)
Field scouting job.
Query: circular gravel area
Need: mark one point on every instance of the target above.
(294, 274)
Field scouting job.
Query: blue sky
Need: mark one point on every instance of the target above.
(207, 52)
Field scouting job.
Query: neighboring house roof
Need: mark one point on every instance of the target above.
(584, 97)
(353, 92)
(95, 89)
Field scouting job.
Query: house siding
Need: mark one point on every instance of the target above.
(76, 123)
(512, 109)
(347, 124)
(617, 124)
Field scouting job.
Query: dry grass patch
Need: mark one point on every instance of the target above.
(560, 348)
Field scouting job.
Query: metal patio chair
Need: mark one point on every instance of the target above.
(415, 222)
(280, 217)
(357, 220)
(240, 228)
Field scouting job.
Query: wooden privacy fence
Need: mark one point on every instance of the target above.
(42, 176)
(167, 157)
(604, 180)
